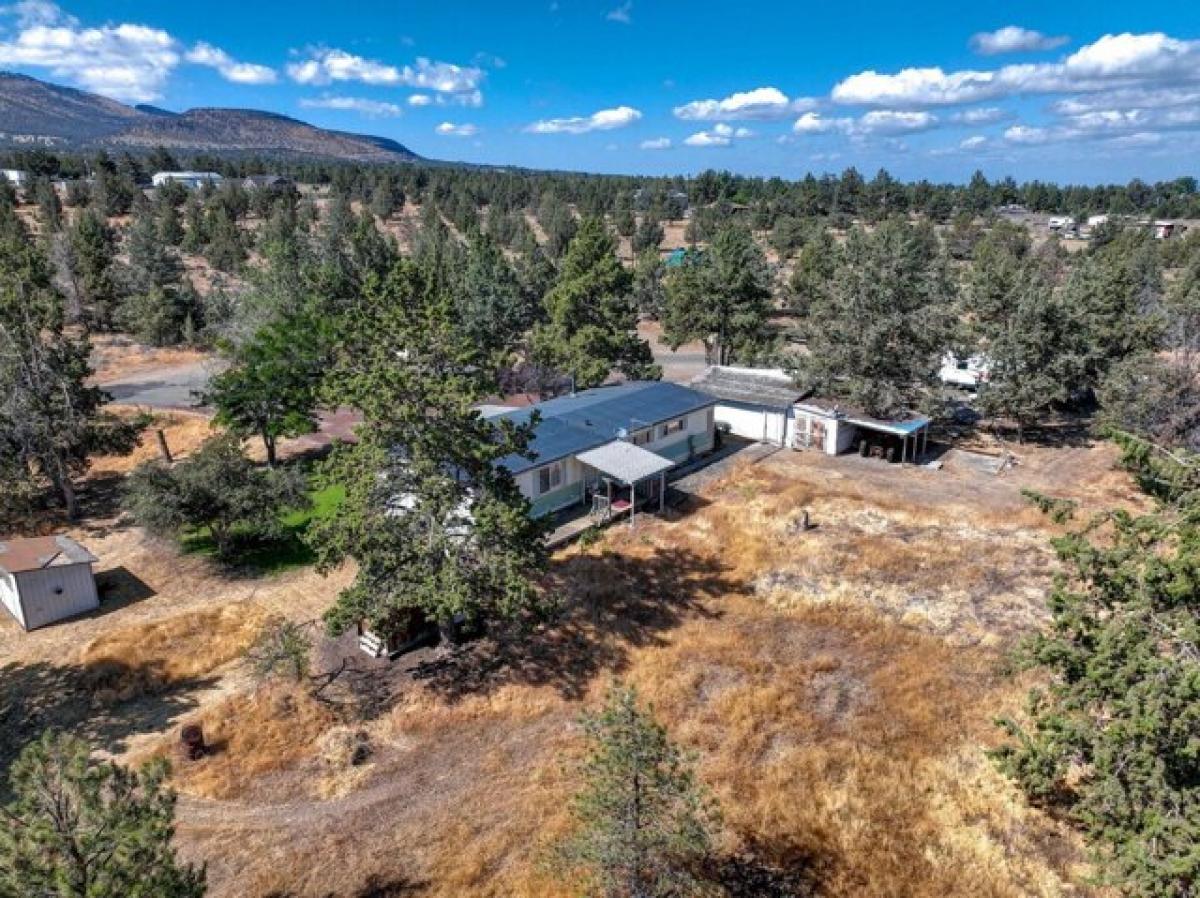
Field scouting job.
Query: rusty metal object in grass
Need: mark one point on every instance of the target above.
(192, 738)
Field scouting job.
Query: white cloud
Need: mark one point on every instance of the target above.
(230, 69)
(974, 142)
(622, 14)
(815, 123)
(127, 61)
(658, 143)
(327, 66)
(1111, 62)
(890, 121)
(420, 100)
(604, 120)
(762, 104)
(37, 12)
(986, 115)
(1027, 135)
(708, 139)
(1014, 39)
(370, 108)
(449, 129)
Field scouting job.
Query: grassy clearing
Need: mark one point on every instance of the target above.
(288, 550)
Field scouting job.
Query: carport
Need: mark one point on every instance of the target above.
(624, 465)
(913, 433)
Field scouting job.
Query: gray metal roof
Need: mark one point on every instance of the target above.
(750, 386)
(573, 424)
(625, 461)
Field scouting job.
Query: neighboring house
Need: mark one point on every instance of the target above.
(833, 428)
(266, 182)
(754, 403)
(15, 177)
(967, 373)
(1165, 230)
(610, 442)
(46, 579)
(1060, 223)
(193, 180)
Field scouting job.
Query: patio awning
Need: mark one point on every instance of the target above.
(625, 462)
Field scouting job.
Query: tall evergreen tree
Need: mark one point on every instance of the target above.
(433, 521)
(876, 338)
(591, 326)
(80, 828)
(643, 825)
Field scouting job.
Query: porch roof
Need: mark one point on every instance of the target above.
(626, 462)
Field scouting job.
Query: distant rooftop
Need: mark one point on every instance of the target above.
(591, 418)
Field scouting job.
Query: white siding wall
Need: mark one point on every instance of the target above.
(57, 592)
(8, 595)
(754, 422)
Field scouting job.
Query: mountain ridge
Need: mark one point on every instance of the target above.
(36, 113)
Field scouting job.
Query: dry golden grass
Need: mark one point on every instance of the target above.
(252, 734)
(169, 652)
(842, 723)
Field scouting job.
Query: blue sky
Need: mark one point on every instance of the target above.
(1079, 92)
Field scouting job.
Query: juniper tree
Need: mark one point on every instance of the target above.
(51, 419)
(430, 517)
(876, 336)
(218, 489)
(591, 321)
(81, 828)
(94, 246)
(1111, 739)
(642, 823)
(720, 297)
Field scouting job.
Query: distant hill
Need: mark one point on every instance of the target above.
(37, 113)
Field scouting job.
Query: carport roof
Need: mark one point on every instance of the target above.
(625, 461)
(20, 555)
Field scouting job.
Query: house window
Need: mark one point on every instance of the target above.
(676, 426)
(642, 437)
(550, 478)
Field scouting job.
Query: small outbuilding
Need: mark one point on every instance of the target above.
(833, 428)
(46, 579)
(753, 403)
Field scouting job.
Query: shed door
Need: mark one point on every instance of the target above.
(816, 437)
(774, 425)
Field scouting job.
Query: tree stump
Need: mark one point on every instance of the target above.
(192, 738)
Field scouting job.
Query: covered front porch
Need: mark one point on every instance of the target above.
(620, 479)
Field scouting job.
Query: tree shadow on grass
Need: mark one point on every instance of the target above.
(105, 703)
(372, 887)
(613, 604)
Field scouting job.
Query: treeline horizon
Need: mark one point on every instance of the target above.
(849, 194)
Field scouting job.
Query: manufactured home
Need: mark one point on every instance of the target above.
(46, 579)
(967, 372)
(612, 445)
(752, 403)
(193, 180)
(15, 177)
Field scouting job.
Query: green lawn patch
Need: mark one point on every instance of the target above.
(288, 551)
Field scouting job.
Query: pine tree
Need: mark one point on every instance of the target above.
(80, 828)
(95, 250)
(643, 825)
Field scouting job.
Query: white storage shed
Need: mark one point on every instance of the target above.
(46, 579)
(753, 403)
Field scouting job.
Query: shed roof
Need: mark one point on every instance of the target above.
(573, 424)
(21, 555)
(755, 386)
(909, 424)
(625, 461)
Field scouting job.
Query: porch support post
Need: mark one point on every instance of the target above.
(662, 491)
(632, 503)
(904, 449)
